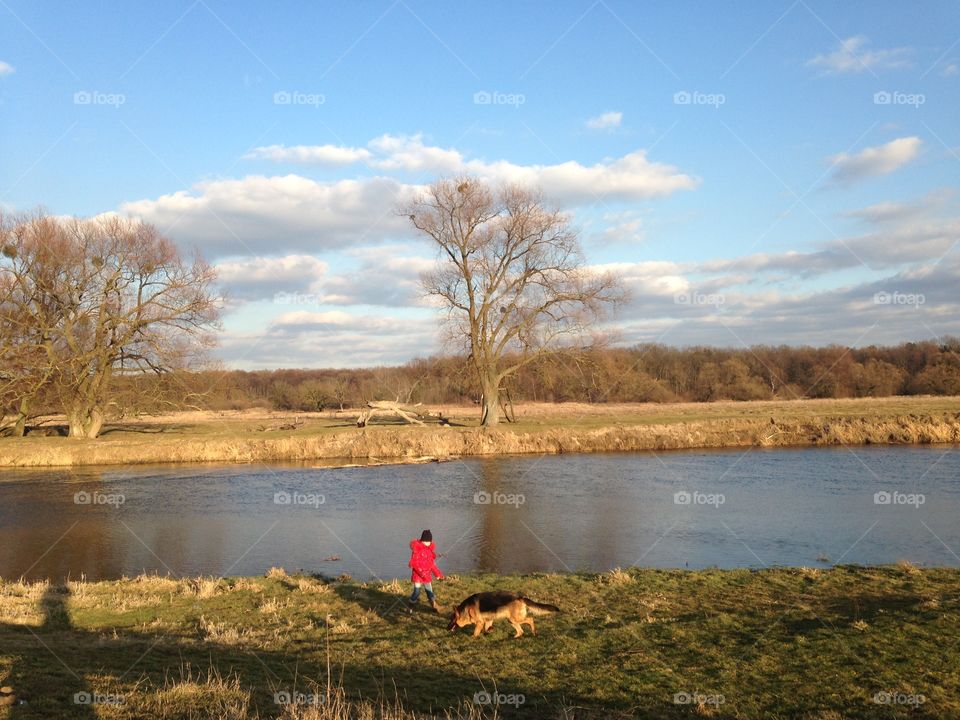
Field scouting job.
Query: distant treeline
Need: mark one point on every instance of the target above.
(644, 373)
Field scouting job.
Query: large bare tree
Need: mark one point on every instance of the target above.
(101, 298)
(510, 276)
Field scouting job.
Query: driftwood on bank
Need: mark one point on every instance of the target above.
(414, 414)
(287, 424)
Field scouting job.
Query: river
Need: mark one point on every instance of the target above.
(692, 509)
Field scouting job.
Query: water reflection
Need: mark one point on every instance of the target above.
(519, 514)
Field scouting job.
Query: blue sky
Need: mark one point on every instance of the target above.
(759, 172)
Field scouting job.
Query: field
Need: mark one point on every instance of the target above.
(847, 642)
(254, 436)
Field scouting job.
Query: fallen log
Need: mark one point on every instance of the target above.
(408, 413)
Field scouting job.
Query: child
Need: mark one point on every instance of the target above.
(423, 563)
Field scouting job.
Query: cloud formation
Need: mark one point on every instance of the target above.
(259, 278)
(6, 68)
(853, 56)
(309, 154)
(259, 215)
(281, 214)
(629, 177)
(874, 161)
(605, 121)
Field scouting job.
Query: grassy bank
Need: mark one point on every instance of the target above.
(784, 643)
(249, 437)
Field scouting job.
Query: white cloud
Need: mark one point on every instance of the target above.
(605, 121)
(621, 227)
(6, 68)
(873, 161)
(333, 339)
(257, 278)
(409, 154)
(852, 56)
(260, 215)
(309, 154)
(275, 215)
(930, 205)
(950, 70)
(387, 276)
(630, 177)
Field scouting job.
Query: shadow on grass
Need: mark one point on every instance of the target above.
(144, 429)
(62, 671)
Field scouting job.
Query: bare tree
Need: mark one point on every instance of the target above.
(106, 297)
(510, 275)
(28, 342)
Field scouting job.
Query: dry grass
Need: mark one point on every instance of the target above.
(617, 576)
(541, 428)
(782, 642)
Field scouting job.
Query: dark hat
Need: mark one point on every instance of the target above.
(426, 536)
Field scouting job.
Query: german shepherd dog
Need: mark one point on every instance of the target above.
(482, 609)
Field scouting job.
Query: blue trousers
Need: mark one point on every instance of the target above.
(416, 591)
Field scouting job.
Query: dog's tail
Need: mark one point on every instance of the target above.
(535, 608)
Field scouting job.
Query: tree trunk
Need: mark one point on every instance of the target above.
(491, 404)
(20, 427)
(86, 422)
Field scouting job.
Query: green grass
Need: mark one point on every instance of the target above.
(778, 643)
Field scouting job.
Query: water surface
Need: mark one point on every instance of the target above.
(754, 508)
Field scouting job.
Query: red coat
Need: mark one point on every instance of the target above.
(423, 562)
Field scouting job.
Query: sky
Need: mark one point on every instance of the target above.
(757, 172)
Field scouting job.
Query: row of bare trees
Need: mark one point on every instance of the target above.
(85, 302)
(644, 373)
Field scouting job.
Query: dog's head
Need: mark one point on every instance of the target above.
(457, 620)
